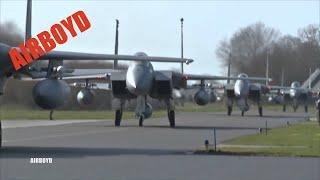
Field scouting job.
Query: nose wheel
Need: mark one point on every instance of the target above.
(242, 113)
(141, 119)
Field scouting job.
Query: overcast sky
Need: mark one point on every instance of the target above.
(154, 27)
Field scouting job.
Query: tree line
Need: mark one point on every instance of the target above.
(248, 49)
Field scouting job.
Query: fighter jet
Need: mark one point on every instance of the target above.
(243, 90)
(140, 81)
(51, 91)
(295, 93)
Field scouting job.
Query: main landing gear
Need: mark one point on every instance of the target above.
(51, 115)
(229, 104)
(171, 113)
(118, 113)
(284, 108)
(260, 109)
(171, 117)
(118, 117)
(260, 112)
(229, 110)
(0, 135)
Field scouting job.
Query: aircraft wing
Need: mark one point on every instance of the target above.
(279, 87)
(76, 74)
(258, 79)
(63, 55)
(283, 88)
(205, 77)
(209, 77)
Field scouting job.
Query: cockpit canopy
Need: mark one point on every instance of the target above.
(141, 54)
(295, 84)
(242, 75)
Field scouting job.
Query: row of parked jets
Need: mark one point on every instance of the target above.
(138, 82)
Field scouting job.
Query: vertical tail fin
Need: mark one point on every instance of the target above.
(115, 62)
(282, 77)
(309, 81)
(229, 68)
(267, 69)
(181, 20)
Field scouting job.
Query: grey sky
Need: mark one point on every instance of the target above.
(154, 27)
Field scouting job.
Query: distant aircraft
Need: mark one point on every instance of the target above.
(243, 90)
(295, 93)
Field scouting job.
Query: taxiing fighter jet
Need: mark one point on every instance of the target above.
(51, 91)
(295, 94)
(140, 81)
(243, 90)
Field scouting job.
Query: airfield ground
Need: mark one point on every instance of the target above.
(97, 150)
(15, 112)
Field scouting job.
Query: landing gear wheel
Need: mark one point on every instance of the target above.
(294, 109)
(171, 117)
(305, 109)
(242, 113)
(260, 112)
(229, 110)
(141, 121)
(0, 135)
(118, 117)
(51, 115)
(284, 108)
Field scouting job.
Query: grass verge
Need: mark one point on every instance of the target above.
(301, 140)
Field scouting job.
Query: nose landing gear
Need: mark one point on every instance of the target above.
(141, 119)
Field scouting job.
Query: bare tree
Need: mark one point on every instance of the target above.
(294, 54)
(246, 47)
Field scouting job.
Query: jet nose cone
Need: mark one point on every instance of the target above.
(139, 79)
(294, 93)
(140, 87)
(241, 89)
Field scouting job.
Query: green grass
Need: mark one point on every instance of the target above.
(297, 140)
